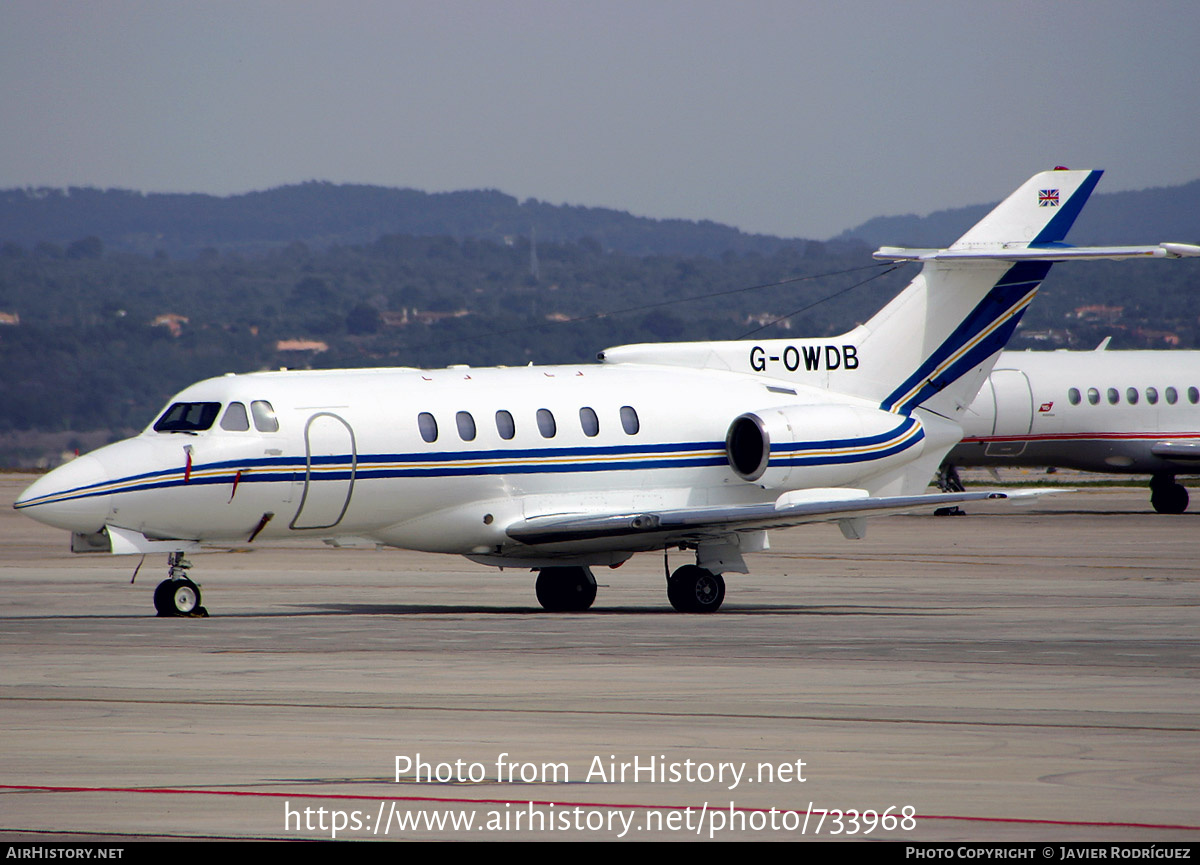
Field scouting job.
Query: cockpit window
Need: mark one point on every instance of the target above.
(235, 419)
(188, 417)
(264, 416)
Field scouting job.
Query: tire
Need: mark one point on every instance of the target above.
(692, 589)
(1171, 499)
(177, 598)
(565, 590)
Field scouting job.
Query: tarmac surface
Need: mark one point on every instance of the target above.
(1020, 674)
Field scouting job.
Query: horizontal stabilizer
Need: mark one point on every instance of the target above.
(1040, 253)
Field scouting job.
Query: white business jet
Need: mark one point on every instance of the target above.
(1124, 412)
(697, 446)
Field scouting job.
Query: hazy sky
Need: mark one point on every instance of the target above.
(791, 118)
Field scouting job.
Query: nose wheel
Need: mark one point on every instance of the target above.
(177, 595)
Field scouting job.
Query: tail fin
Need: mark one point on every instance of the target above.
(944, 331)
(936, 341)
(1041, 211)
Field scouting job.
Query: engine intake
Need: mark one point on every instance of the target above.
(819, 445)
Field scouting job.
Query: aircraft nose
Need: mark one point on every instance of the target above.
(73, 496)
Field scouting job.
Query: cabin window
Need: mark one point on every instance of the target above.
(264, 416)
(1193, 395)
(1114, 396)
(1131, 395)
(505, 425)
(1093, 396)
(629, 420)
(1172, 395)
(589, 422)
(466, 426)
(428, 426)
(1074, 396)
(188, 417)
(235, 419)
(546, 425)
(1152, 395)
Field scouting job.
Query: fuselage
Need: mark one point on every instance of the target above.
(1135, 412)
(444, 460)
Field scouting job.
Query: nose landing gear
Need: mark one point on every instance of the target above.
(177, 595)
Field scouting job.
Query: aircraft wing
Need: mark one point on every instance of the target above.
(706, 522)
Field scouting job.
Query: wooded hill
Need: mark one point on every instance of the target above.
(324, 214)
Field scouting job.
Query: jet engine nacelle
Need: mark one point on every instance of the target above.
(819, 445)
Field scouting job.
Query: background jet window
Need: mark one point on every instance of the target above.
(188, 417)
(589, 422)
(264, 416)
(505, 425)
(629, 420)
(546, 425)
(1074, 396)
(235, 418)
(1193, 395)
(1152, 395)
(1172, 395)
(428, 426)
(1131, 395)
(1114, 396)
(466, 426)
(1093, 395)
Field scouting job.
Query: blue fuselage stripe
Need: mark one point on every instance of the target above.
(525, 461)
(995, 312)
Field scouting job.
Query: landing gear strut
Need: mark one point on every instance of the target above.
(693, 589)
(948, 481)
(177, 595)
(566, 590)
(1166, 496)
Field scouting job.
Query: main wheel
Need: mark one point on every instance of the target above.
(1172, 499)
(566, 590)
(692, 589)
(177, 598)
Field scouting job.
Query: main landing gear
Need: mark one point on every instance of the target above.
(693, 589)
(566, 590)
(177, 595)
(948, 481)
(1166, 496)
